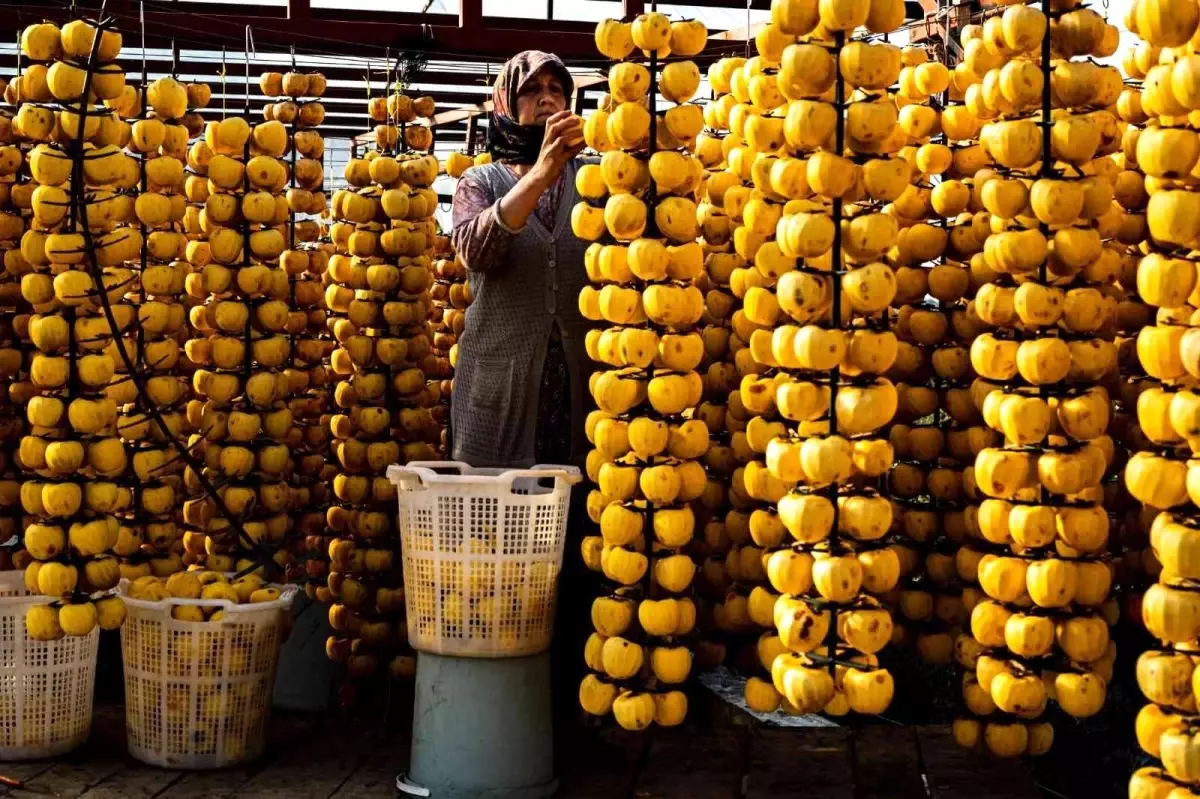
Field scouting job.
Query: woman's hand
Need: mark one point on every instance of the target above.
(563, 141)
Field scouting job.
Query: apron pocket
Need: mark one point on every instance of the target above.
(490, 418)
(491, 385)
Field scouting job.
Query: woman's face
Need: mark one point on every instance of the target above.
(541, 98)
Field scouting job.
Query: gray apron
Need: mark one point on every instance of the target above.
(516, 308)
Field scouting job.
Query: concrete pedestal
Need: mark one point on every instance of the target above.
(304, 679)
(482, 729)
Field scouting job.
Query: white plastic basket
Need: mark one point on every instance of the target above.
(198, 694)
(46, 687)
(482, 549)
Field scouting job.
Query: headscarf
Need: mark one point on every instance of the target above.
(508, 140)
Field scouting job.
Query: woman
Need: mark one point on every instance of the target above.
(521, 378)
(520, 383)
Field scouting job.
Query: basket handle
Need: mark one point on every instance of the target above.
(569, 474)
(411, 476)
(287, 595)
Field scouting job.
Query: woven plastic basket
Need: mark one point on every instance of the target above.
(482, 550)
(198, 694)
(46, 687)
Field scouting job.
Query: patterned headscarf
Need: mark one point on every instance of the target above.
(508, 140)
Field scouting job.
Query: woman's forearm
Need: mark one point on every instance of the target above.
(481, 243)
(480, 239)
(518, 205)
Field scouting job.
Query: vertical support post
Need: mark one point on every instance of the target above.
(470, 14)
(577, 100)
(839, 103)
(631, 8)
(299, 9)
(145, 80)
(835, 546)
(471, 126)
(1046, 124)
(1047, 163)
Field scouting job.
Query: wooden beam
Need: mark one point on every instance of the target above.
(587, 81)
(345, 101)
(471, 136)
(438, 80)
(755, 5)
(581, 82)
(631, 8)
(331, 31)
(913, 9)
(458, 114)
(737, 34)
(534, 25)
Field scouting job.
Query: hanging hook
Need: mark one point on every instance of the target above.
(249, 49)
(748, 35)
(387, 72)
(142, 23)
(17, 79)
(368, 80)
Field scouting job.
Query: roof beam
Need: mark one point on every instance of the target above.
(738, 34)
(341, 81)
(330, 30)
(913, 9)
(333, 31)
(755, 5)
(336, 100)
